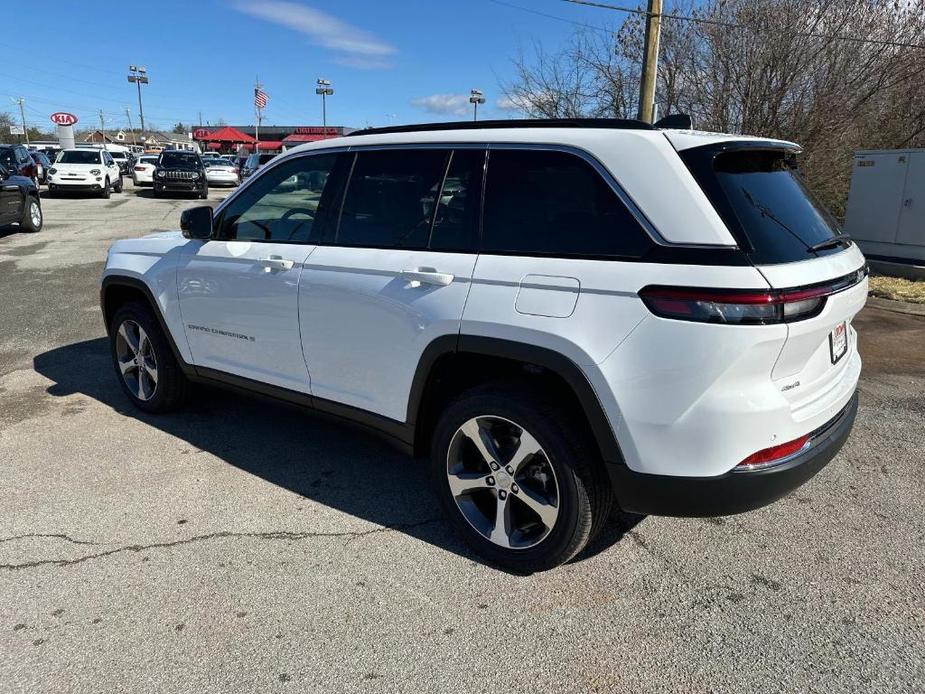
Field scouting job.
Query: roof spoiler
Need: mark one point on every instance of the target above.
(675, 121)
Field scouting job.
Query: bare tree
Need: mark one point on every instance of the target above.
(790, 69)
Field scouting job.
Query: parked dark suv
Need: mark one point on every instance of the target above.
(180, 172)
(17, 161)
(19, 201)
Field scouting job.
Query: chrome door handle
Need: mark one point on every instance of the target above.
(276, 262)
(427, 275)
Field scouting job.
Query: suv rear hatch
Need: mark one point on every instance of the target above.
(792, 240)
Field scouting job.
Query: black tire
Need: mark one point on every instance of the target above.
(104, 193)
(584, 494)
(205, 193)
(171, 387)
(118, 187)
(26, 222)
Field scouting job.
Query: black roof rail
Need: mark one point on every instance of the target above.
(612, 123)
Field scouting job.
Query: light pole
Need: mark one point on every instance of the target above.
(139, 76)
(475, 98)
(325, 90)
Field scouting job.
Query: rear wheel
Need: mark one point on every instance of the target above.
(517, 478)
(32, 218)
(144, 363)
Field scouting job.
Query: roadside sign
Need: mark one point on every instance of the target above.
(62, 118)
(201, 133)
(17, 130)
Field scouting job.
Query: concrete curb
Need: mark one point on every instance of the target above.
(896, 306)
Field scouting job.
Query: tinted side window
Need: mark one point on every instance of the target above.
(555, 203)
(285, 203)
(391, 197)
(457, 218)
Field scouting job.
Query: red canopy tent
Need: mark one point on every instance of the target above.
(228, 135)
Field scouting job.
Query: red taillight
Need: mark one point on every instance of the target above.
(774, 453)
(744, 306)
(733, 306)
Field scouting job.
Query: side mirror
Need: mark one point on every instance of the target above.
(196, 222)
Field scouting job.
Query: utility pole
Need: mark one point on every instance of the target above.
(139, 76)
(129, 116)
(22, 116)
(102, 131)
(325, 90)
(475, 98)
(650, 61)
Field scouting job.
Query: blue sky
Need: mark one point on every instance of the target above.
(389, 61)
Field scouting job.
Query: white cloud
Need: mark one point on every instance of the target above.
(444, 104)
(523, 102)
(353, 46)
(507, 103)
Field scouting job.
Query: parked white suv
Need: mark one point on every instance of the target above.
(561, 314)
(85, 169)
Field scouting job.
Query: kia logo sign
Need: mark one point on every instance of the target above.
(201, 134)
(62, 118)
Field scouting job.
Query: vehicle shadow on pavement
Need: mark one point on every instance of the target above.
(327, 462)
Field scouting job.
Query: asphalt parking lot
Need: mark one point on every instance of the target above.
(244, 547)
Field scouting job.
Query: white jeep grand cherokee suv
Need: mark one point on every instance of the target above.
(563, 315)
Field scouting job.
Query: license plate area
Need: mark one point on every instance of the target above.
(838, 341)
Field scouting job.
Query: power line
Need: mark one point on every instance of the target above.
(550, 16)
(735, 25)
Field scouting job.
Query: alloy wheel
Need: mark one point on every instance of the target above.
(35, 214)
(503, 482)
(136, 359)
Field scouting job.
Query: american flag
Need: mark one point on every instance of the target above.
(260, 98)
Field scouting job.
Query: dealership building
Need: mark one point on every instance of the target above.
(272, 138)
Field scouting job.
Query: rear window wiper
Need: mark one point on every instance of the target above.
(830, 243)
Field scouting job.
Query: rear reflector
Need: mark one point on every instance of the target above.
(744, 306)
(774, 454)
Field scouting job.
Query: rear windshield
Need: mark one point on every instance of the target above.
(761, 196)
(79, 157)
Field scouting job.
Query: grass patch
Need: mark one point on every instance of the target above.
(898, 289)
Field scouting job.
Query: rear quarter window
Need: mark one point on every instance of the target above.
(540, 202)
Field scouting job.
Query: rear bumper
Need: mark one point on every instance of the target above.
(733, 492)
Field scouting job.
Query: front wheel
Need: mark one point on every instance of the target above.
(517, 478)
(118, 186)
(32, 218)
(104, 193)
(144, 363)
